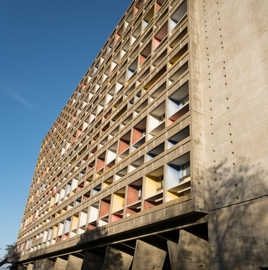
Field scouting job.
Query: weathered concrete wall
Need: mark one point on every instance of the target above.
(229, 88)
(233, 83)
(238, 236)
(229, 93)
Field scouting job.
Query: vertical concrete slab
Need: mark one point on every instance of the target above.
(172, 253)
(44, 264)
(116, 260)
(60, 264)
(196, 96)
(193, 252)
(92, 261)
(74, 263)
(30, 266)
(148, 257)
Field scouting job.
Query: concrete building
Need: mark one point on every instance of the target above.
(159, 158)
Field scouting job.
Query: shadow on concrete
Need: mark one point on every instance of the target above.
(236, 197)
(236, 200)
(92, 248)
(99, 255)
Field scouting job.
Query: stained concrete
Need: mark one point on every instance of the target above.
(172, 253)
(74, 263)
(116, 260)
(60, 264)
(148, 257)
(192, 252)
(30, 266)
(92, 261)
(238, 236)
(44, 264)
(228, 95)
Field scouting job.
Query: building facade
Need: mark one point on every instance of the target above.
(159, 158)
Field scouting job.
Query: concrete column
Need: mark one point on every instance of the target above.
(29, 266)
(44, 264)
(148, 257)
(116, 260)
(193, 252)
(172, 253)
(92, 261)
(74, 263)
(60, 264)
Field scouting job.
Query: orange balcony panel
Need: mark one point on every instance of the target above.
(91, 227)
(115, 218)
(100, 164)
(142, 59)
(132, 195)
(117, 36)
(178, 114)
(58, 239)
(79, 131)
(123, 146)
(156, 43)
(137, 135)
(130, 211)
(157, 7)
(148, 205)
(104, 208)
(65, 236)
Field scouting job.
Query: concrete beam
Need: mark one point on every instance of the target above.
(60, 264)
(116, 260)
(148, 257)
(92, 261)
(74, 263)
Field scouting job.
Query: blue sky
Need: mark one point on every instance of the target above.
(45, 49)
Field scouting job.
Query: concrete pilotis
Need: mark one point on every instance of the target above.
(30, 266)
(172, 253)
(192, 252)
(60, 264)
(92, 261)
(74, 263)
(44, 264)
(116, 260)
(148, 257)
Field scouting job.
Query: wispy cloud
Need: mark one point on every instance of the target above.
(20, 99)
